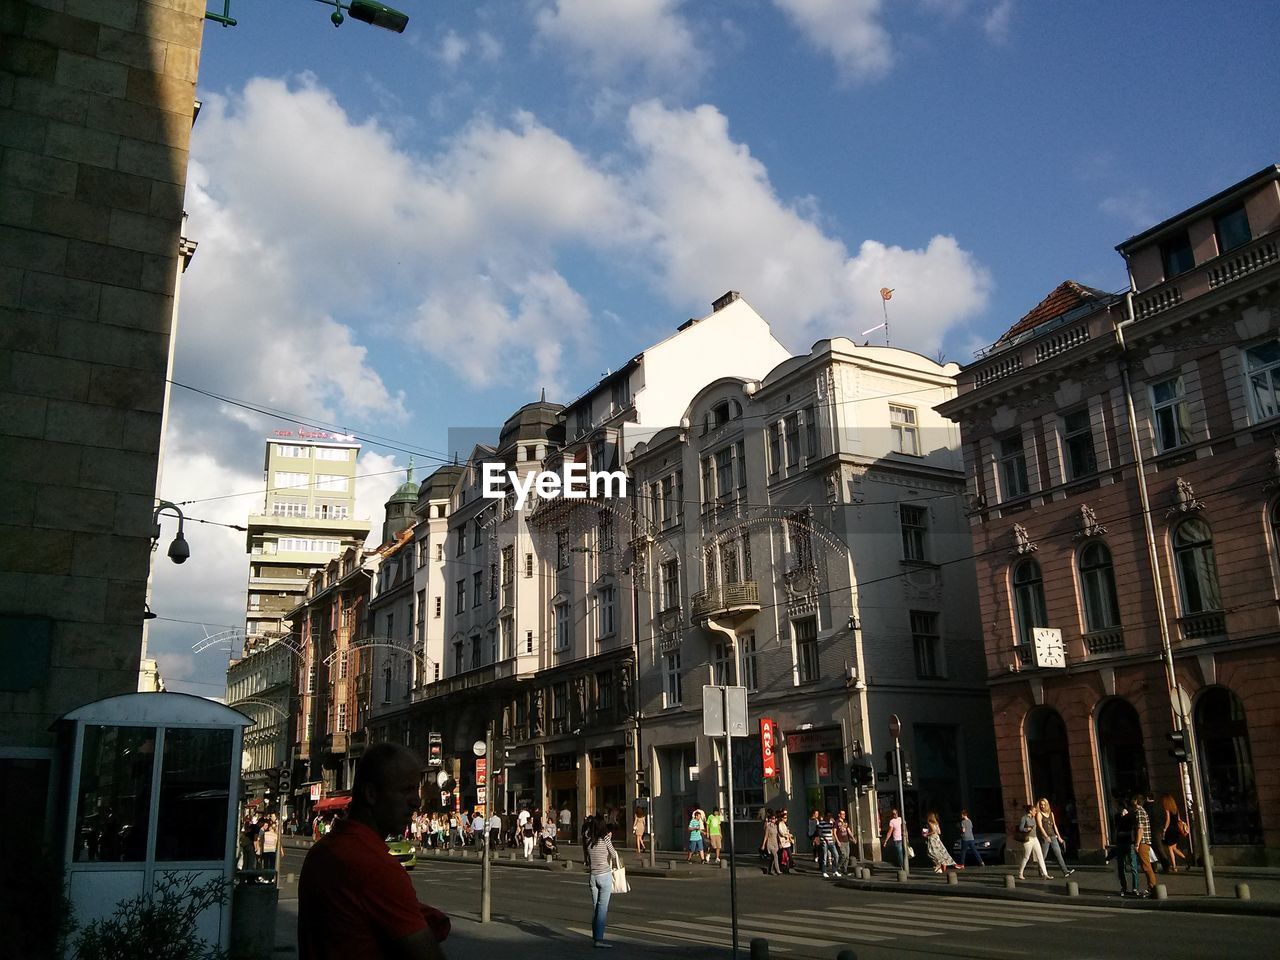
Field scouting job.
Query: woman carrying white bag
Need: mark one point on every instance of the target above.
(607, 873)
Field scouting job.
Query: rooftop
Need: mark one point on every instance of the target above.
(1065, 298)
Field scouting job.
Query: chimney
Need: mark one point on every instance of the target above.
(724, 300)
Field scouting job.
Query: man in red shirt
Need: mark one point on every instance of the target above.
(354, 899)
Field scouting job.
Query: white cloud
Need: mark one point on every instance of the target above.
(850, 31)
(996, 23)
(489, 46)
(452, 49)
(1138, 208)
(617, 36)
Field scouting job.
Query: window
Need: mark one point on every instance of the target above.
(493, 646)
(528, 641)
(729, 571)
(1176, 255)
(476, 584)
(672, 693)
(740, 459)
(457, 657)
(562, 549)
(332, 453)
(116, 769)
(342, 713)
(191, 821)
(928, 644)
(562, 626)
(475, 652)
(390, 634)
(915, 524)
(1098, 584)
(746, 555)
(1197, 570)
(286, 450)
(604, 690)
(708, 480)
(604, 610)
(439, 551)
(791, 430)
(508, 564)
(342, 664)
(724, 472)
(331, 511)
(476, 534)
(528, 565)
(493, 580)
(750, 673)
(1173, 422)
(1028, 600)
(906, 435)
(289, 508)
(332, 482)
(438, 605)
(670, 584)
(462, 542)
(799, 544)
(811, 431)
(291, 480)
(620, 395)
(805, 635)
(605, 533)
(775, 449)
(582, 419)
(560, 701)
(462, 596)
(1013, 468)
(1261, 365)
(668, 511)
(508, 638)
(1232, 228)
(386, 685)
(1077, 443)
(721, 656)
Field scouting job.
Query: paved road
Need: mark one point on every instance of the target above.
(802, 916)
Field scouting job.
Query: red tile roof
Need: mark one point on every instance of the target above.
(1066, 296)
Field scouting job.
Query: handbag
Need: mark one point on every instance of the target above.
(620, 884)
(1183, 829)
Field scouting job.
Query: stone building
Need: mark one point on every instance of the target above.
(260, 685)
(1122, 459)
(803, 536)
(96, 107)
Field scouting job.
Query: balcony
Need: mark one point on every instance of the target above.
(1213, 274)
(1103, 642)
(338, 742)
(1200, 626)
(727, 600)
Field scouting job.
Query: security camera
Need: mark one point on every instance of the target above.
(379, 15)
(179, 552)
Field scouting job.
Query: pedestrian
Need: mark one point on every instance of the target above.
(1142, 841)
(769, 846)
(495, 831)
(967, 843)
(600, 857)
(696, 844)
(527, 834)
(786, 843)
(477, 827)
(353, 899)
(844, 841)
(1025, 836)
(811, 831)
(1174, 830)
(825, 837)
(566, 819)
(936, 848)
(269, 839)
(1122, 834)
(714, 834)
(640, 827)
(893, 839)
(1049, 836)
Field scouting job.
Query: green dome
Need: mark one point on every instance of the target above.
(407, 492)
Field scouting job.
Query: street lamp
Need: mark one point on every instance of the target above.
(370, 12)
(179, 551)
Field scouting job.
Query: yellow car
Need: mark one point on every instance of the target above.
(402, 850)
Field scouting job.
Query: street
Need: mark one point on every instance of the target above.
(548, 914)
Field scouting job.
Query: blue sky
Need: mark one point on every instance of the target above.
(404, 234)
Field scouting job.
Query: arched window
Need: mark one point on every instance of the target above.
(1222, 737)
(1028, 599)
(1197, 571)
(1098, 584)
(1121, 752)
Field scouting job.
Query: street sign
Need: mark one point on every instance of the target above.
(315, 791)
(478, 748)
(442, 778)
(724, 708)
(895, 726)
(482, 768)
(480, 795)
(824, 765)
(768, 748)
(435, 750)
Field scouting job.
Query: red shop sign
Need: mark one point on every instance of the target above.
(768, 754)
(824, 766)
(482, 767)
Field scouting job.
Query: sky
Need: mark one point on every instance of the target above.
(403, 235)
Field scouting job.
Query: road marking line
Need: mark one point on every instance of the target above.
(1031, 917)
(880, 923)
(959, 913)
(1024, 904)
(874, 916)
(756, 932)
(869, 937)
(687, 937)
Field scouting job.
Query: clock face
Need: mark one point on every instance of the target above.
(1050, 651)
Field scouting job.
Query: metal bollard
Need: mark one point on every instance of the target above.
(953, 878)
(1009, 882)
(1242, 891)
(903, 876)
(673, 864)
(846, 954)
(1162, 892)
(1073, 889)
(759, 948)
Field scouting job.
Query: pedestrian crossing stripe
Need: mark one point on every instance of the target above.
(748, 932)
(872, 915)
(756, 918)
(879, 924)
(646, 936)
(959, 911)
(1029, 905)
(948, 916)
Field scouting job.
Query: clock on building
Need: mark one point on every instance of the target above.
(1049, 651)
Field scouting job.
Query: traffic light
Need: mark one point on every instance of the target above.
(866, 776)
(286, 779)
(890, 763)
(1178, 745)
(642, 783)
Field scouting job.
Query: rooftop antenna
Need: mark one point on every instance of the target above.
(886, 294)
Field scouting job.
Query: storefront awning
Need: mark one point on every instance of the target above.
(330, 804)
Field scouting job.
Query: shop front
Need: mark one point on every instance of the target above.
(817, 770)
(561, 777)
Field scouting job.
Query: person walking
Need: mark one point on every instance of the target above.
(1142, 841)
(600, 857)
(1025, 837)
(528, 834)
(1122, 834)
(893, 839)
(769, 847)
(714, 835)
(967, 843)
(936, 848)
(828, 858)
(844, 841)
(811, 831)
(566, 819)
(786, 843)
(269, 838)
(1174, 830)
(640, 827)
(696, 844)
(1049, 836)
(495, 832)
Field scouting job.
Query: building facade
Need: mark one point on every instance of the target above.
(308, 517)
(803, 536)
(1123, 469)
(261, 686)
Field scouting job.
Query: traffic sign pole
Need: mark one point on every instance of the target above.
(895, 731)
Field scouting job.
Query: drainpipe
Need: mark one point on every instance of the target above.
(1177, 701)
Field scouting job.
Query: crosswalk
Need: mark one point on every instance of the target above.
(808, 932)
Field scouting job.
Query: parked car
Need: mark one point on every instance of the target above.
(990, 839)
(402, 850)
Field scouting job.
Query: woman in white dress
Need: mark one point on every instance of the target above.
(1025, 837)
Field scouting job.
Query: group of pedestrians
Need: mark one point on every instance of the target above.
(706, 837)
(259, 842)
(1134, 841)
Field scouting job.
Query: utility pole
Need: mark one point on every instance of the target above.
(486, 868)
(895, 731)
